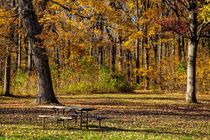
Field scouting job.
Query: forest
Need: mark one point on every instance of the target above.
(107, 46)
(107, 53)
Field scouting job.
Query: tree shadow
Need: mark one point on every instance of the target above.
(17, 97)
(151, 131)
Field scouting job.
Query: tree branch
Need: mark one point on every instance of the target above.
(70, 10)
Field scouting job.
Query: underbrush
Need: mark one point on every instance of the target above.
(87, 77)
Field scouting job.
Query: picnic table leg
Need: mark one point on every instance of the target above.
(43, 122)
(87, 121)
(81, 119)
(99, 123)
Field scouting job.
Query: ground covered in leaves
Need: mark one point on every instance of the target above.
(130, 116)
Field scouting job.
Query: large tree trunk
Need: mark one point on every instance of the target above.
(192, 51)
(32, 29)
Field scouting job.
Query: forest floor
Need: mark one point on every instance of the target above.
(131, 117)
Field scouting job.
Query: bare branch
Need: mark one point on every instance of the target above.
(70, 10)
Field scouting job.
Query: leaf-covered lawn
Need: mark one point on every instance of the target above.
(131, 116)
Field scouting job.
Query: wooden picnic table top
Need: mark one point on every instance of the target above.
(67, 107)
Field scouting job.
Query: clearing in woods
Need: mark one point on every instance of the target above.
(131, 116)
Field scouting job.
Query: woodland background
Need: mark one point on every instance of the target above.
(104, 46)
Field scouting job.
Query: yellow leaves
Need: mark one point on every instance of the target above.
(6, 17)
(144, 72)
(149, 13)
(55, 7)
(130, 5)
(137, 35)
(204, 13)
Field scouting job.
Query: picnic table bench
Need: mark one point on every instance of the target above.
(58, 118)
(63, 113)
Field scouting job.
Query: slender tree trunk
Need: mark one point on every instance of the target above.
(19, 45)
(192, 51)
(208, 43)
(113, 57)
(1, 67)
(29, 58)
(56, 58)
(146, 59)
(181, 48)
(7, 75)
(7, 71)
(32, 29)
(19, 53)
(137, 61)
(137, 45)
(120, 54)
(100, 56)
(128, 55)
(159, 63)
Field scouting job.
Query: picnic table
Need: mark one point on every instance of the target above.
(61, 113)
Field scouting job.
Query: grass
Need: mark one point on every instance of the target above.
(132, 117)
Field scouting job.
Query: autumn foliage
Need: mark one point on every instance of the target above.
(92, 45)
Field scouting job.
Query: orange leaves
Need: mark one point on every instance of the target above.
(6, 17)
(143, 72)
(173, 25)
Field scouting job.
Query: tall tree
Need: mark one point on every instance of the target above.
(190, 8)
(40, 58)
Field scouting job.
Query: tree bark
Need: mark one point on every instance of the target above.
(100, 56)
(120, 54)
(209, 43)
(1, 67)
(137, 45)
(56, 58)
(7, 75)
(113, 57)
(40, 58)
(192, 51)
(128, 56)
(29, 58)
(19, 52)
(181, 48)
(146, 47)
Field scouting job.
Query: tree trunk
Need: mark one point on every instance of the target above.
(146, 46)
(192, 51)
(1, 67)
(56, 58)
(120, 54)
(100, 56)
(137, 61)
(113, 57)
(181, 48)
(32, 29)
(137, 45)
(19, 54)
(7, 75)
(209, 43)
(29, 58)
(128, 55)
